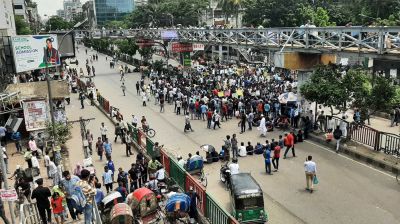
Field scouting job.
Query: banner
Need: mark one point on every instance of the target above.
(187, 61)
(34, 52)
(198, 47)
(35, 114)
(8, 195)
(181, 47)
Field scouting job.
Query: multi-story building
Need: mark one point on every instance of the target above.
(7, 24)
(72, 8)
(21, 9)
(88, 12)
(108, 10)
(214, 16)
(61, 13)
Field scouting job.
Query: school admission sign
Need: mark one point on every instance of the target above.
(35, 52)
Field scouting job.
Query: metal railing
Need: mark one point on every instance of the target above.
(369, 40)
(29, 214)
(215, 214)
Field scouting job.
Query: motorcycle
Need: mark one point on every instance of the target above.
(224, 174)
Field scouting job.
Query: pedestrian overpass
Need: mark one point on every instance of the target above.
(382, 42)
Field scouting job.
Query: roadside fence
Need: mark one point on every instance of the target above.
(389, 143)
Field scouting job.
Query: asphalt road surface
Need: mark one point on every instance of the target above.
(348, 192)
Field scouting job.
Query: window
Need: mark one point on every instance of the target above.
(249, 203)
(18, 7)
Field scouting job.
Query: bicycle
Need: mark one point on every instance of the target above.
(149, 132)
(203, 178)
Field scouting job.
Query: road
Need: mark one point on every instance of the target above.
(348, 192)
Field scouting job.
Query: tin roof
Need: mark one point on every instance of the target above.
(31, 90)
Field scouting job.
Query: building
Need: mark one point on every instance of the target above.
(21, 9)
(88, 12)
(72, 8)
(61, 13)
(214, 16)
(109, 10)
(140, 2)
(7, 23)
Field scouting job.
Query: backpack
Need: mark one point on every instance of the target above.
(337, 134)
(79, 197)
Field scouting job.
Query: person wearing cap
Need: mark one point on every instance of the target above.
(262, 128)
(194, 197)
(42, 194)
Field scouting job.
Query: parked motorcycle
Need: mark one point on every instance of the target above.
(224, 174)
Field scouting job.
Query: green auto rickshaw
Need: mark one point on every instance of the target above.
(247, 199)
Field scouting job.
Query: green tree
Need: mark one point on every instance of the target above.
(329, 87)
(21, 26)
(116, 24)
(127, 46)
(57, 23)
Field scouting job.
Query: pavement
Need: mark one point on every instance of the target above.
(348, 192)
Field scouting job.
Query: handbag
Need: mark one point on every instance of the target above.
(315, 179)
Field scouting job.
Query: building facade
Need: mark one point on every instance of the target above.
(140, 2)
(109, 10)
(21, 9)
(61, 13)
(33, 17)
(72, 8)
(7, 23)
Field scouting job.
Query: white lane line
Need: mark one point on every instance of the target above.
(363, 164)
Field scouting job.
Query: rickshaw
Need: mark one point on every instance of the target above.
(121, 213)
(144, 204)
(108, 203)
(247, 199)
(194, 165)
(177, 207)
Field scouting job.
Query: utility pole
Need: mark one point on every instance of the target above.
(10, 204)
(83, 122)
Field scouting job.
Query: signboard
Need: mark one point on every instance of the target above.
(34, 52)
(8, 195)
(198, 47)
(181, 47)
(169, 35)
(187, 62)
(145, 43)
(35, 114)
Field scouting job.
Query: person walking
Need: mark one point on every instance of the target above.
(234, 144)
(337, 134)
(3, 213)
(128, 143)
(277, 154)
(194, 198)
(68, 182)
(310, 170)
(162, 101)
(216, 118)
(262, 128)
(42, 194)
(123, 88)
(99, 148)
(243, 120)
(103, 131)
(289, 143)
(267, 158)
(118, 132)
(107, 148)
(82, 98)
(250, 118)
(89, 191)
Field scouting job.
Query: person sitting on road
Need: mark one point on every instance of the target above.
(258, 149)
(234, 166)
(249, 149)
(181, 161)
(242, 150)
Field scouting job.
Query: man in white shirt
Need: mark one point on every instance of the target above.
(103, 131)
(242, 150)
(234, 167)
(160, 174)
(311, 170)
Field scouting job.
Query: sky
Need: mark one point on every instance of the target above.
(49, 7)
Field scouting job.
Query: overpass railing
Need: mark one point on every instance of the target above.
(374, 40)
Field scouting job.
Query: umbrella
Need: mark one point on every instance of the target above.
(207, 148)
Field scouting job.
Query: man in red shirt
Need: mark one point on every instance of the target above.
(277, 155)
(289, 143)
(209, 118)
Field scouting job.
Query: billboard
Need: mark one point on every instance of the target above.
(169, 34)
(35, 52)
(181, 47)
(198, 47)
(35, 114)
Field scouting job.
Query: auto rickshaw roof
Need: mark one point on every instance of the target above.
(141, 192)
(244, 183)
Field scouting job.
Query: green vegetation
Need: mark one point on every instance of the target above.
(356, 88)
(21, 26)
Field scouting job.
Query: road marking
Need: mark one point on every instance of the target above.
(363, 164)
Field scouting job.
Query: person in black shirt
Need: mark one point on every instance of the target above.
(249, 148)
(42, 194)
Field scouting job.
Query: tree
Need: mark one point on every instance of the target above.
(21, 26)
(127, 46)
(57, 23)
(116, 24)
(329, 87)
